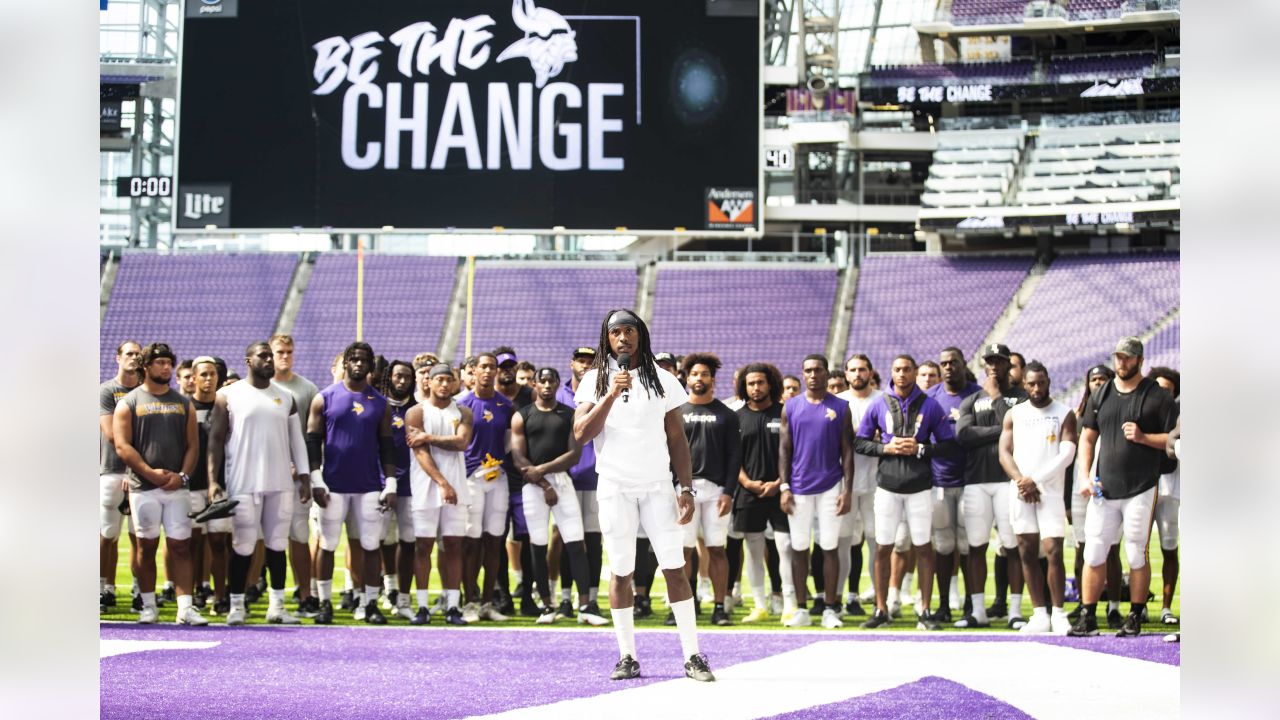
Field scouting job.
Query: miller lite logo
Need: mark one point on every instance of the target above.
(196, 205)
(204, 204)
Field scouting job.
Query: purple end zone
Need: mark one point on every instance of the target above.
(443, 673)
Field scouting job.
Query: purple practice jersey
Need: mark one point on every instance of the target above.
(403, 455)
(949, 471)
(492, 422)
(584, 472)
(815, 429)
(351, 422)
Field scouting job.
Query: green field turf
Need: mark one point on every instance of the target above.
(341, 617)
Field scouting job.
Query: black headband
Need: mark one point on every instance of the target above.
(623, 317)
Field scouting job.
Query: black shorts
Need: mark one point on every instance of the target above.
(753, 516)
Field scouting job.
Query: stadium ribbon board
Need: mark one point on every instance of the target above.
(595, 115)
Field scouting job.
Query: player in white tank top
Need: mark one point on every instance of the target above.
(258, 450)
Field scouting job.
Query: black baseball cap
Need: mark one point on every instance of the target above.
(1100, 371)
(995, 350)
(665, 357)
(584, 350)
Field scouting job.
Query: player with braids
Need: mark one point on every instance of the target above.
(642, 359)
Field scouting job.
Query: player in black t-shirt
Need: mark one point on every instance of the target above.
(1130, 419)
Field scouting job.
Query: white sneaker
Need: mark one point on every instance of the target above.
(799, 618)
(282, 616)
(386, 602)
(236, 616)
(489, 612)
(895, 609)
(831, 619)
(358, 613)
(403, 608)
(471, 613)
(1059, 624)
(438, 608)
(868, 595)
(148, 615)
(1017, 622)
(190, 616)
(1039, 624)
(586, 617)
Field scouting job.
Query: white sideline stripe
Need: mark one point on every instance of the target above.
(1063, 682)
(108, 648)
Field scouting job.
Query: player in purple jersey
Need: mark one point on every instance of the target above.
(398, 546)
(490, 496)
(349, 434)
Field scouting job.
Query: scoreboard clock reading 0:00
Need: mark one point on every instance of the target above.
(133, 187)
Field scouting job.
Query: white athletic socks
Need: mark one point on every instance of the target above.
(518, 575)
(907, 580)
(704, 586)
(1015, 605)
(102, 585)
(237, 600)
(350, 586)
(391, 582)
(370, 594)
(315, 590)
(686, 623)
(624, 628)
(148, 599)
(324, 590)
(954, 593)
(275, 599)
(1040, 612)
(979, 601)
(184, 602)
(895, 595)
(451, 598)
(424, 599)
(788, 599)
(565, 594)
(593, 593)
(1113, 606)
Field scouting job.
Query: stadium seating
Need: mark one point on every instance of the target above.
(200, 304)
(972, 167)
(985, 12)
(743, 312)
(1085, 303)
(1090, 69)
(1099, 164)
(995, 73)
(406, 301)
(1164, 348)
(919, 304)
(546, 309)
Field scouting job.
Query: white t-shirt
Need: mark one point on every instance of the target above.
(1037, 435)
(864, 466)
(258, 453)
(631, 450)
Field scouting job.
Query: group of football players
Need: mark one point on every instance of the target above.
(249, 467)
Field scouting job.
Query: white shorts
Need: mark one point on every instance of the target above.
(200, 501)
(915, 509)
(360, 513)
(985, 505)
(487, 513)
(156, 507)
(300, 525)
(624, 512)
(111, 494)
(948, 521)
(1106, 521)
(1167, 521)
(590, 508)
(567, 513)
(1079, 504)
(445, 520)
(400, 528)
(706, 516)
(851, 522)
(1048, 517)
(816, 514)
(262, 515)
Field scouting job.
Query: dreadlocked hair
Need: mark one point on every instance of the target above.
(642, 360)
(771, 373)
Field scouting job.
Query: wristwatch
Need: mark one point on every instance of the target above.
(784, 487)
(186, 480)
(689, 491)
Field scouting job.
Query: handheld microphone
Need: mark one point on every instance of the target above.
(624, 364)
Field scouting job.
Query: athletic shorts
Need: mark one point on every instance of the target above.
(153, 508)
(760, 515)
(948, 521)
(862, 517)
(1108, 521)
(262, 515)
(362, 517)
(300, 525)
(915, 509)
(487, 513)
(400, 527)
(1048, 517)
(623, 513)
(707, 519)
(111, 493)
(590, 508)
(986, 505)
(816, 515)
(1167, 508)
(567, 513)
(200, 501)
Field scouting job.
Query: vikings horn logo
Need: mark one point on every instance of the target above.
(548, 42)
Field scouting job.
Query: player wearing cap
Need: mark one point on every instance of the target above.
(1037, 442)
(913, 430)
(438, 432)
(986, 490)
(948, 481)
(585, 481)
(1131, 418)
(489, 491)
(155, 434)
(256, 429)
(815, 464)
(634, 418)
(715, 450)
(1168, 501)
(349, 434)
(112, 482)
(861, 518)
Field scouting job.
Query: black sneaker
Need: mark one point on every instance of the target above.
(1132, 626)
(1074, 615)
(565, 610)
(507, 606)
(927, 621)
(168, 595)
(372, 615)
(453, 616)
(347, 600)
(252, 594)
(198, 600)
(309, 608)
(643, 608)
(393, 598)
(325, 616)
(137, 604)
(854, 609)
(107, 600)
(671, 619)
(942, 616)
(627, 669)
(998, 609)
(519, 589)
(1086, 626)
(720, 617)
(422, 617)
(819, 606)
(529, 608)
(970, 622)
(222, 607)
(696, 668)
(968, 605)
(879, 618)
(1115, 620)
